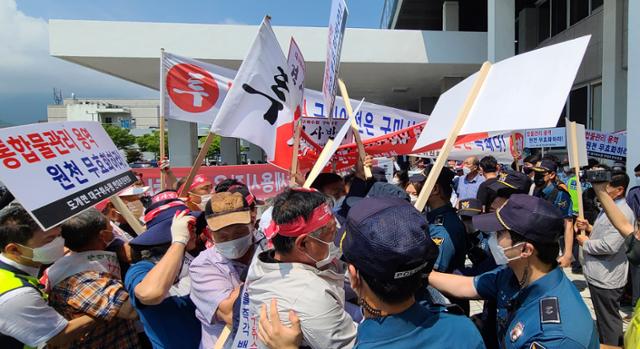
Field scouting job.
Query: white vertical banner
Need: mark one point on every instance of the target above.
(297, 67)
(335, 36)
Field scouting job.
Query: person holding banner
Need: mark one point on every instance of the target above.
(538, 306)
(27, 320)
(199, 192)
(215, 273)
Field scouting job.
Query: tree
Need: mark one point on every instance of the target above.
(151, 142)
(133, 155)
(120, 136)
(214, 149)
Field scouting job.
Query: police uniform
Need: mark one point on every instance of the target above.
(448, 232)
(547, 313)
(558, 197)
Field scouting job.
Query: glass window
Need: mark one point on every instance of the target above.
(595, 4)
(108, 120)
(596, 107)
(558, 16)
(543, 21)
(579, 105)
(579, 9)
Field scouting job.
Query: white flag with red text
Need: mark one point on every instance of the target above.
(257, 107)
(192, 90)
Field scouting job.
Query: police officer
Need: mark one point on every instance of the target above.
(538, 306)
(546, 187)
(27, 320)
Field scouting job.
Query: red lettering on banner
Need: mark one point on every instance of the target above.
(192, 88)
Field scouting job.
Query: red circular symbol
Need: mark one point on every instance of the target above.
(192, 88)
(517, 145)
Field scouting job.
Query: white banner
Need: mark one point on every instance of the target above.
(498, 146)
(605, 145)
(191, 90)
(546, 138)
(256, 108)
(335, 36)
(57, 170)
(295, 59)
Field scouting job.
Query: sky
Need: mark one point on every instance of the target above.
(28, 74)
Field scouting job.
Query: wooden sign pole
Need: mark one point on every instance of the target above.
(196, 165)
(296, 148)
(126, 214)
(453, 135)
(161, 123)
(315, 171)
(573, 138)
(163, 184)
(356, 134)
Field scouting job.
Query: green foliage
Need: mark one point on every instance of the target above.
(151, 142)
(120, 136)
(133, 155)
(214, 149)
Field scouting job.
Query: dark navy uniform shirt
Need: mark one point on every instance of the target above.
(449, 233)
(549, 313)
(558, 197)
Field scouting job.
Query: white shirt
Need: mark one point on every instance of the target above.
(25, 315)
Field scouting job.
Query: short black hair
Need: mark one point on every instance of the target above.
(532, 159)
(82, 229)
(547, 252)
(16, 225)
(290, 205)
(395, 291)
(489, 164)
(325, 179)
(620, 179)
(5, 197)
(226, 184)
(553, 158)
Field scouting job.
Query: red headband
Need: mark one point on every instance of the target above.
(156, 211)
(164, 196)
(198, 180)
(320, 216)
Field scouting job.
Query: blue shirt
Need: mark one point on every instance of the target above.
(562, 200)
(469, 189)
(453, 246)
(170, 324)
(549, 312)
(419, 327)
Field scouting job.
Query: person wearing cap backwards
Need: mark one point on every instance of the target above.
(538, 306)
(302, 271)
(158, 283)
(199, 192)
(392, 231)
(546, 187)
(215, 273)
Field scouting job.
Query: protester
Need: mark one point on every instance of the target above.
(132, 197)
(605, 263)
(386, 285)
(538, 306)
(158, 282)
(401, 178)
(199, 192)
(331, 185)
(469, 183)
(489, 167)
(216, 272)
(88, 282)
(27, 320)
(414, 186)
(547, 188)
(303, 271)
(226, 184)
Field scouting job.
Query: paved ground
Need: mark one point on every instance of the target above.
(581, 285)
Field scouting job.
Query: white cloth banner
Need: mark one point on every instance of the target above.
(498, 146)
(191, 90)
(605, 145)
(546, 138)
(295, 59)
(58, 169)
(256, 108)
(524, 91)
(335, 37)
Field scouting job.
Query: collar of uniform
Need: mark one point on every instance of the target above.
(33, 271)
(540, 287)
(268, 264)
(432, 214)
(546, 191)
(379, 329)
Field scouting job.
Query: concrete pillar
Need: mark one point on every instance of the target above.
(527, 30)
(501, 25)
(183, 142)
(230, 150)
(450, 16)
(255, 153)
(633, 88)
(614, 82)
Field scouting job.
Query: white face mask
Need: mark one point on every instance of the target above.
(498, 251)
(203, 201)
(48, 253)
(334, 253)
(466, 170)
(395, 181)
(413, 198)
(234, 249)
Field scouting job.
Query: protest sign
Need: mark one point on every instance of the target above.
(335, 36)
(295, 59)
(498, 146)
(256, 107)
(264, 180)
(192, 90)
(577, 158)
(612, 146)
(320, 129)
(546, 138)
(57, 170)
(525, 91)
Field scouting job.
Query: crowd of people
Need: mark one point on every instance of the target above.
(349, 262)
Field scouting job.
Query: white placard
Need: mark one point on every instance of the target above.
(525, 91)
(545, 138)
(57, 170)
(581, 143)
(335, 36)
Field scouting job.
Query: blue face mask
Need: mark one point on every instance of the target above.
(337, 204)
(498, 252)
